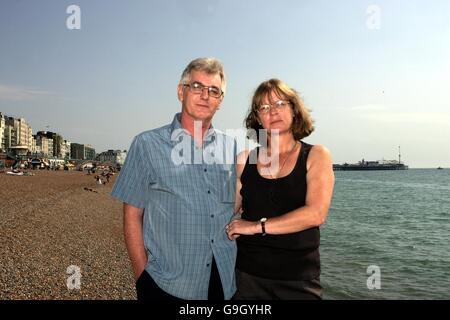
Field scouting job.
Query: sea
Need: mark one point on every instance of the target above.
(387, 236)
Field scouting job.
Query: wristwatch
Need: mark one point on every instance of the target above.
(263, 226)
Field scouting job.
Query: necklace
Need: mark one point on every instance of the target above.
(284, 162)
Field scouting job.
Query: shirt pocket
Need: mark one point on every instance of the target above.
(227, 186)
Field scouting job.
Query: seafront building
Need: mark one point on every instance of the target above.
(2, 132)
(18, 141)
(82, 152)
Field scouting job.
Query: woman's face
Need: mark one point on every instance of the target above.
(275, 113)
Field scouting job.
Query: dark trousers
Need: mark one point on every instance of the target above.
(250, 287)
(148, 290)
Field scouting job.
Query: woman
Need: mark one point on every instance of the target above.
(284, 192)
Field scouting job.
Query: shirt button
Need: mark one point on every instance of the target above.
(212, 240)
(207, 264)
(205, 170)
(209, 191)
(212, 216)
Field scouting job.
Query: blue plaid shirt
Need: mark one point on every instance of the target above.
(188, 197)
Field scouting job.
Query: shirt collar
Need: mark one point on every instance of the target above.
(210, 136)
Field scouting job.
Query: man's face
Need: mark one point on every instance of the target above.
(200, 106)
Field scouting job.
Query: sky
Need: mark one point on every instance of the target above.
(375, 74)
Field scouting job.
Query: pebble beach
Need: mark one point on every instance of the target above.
(49, 222)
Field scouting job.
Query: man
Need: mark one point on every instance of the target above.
(178, 192)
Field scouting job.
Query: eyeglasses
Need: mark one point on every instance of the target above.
(197, 88)
(278, 105)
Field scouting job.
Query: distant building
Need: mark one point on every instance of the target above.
(42, 144)
(56, 145)
(65, 150)
(10, 137)
(2, 132)
(16, 136)
(20, 133)
(19, 151)
(89, 152)
(50, 148)
(33, 144)
(82, 152)
(30, 139)
(113, 156)
(77, 151)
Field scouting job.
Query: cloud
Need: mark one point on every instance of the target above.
(14, 93)
(369, 107)
(388, 114)
(433, 118)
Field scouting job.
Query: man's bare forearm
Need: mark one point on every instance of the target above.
(134, 240)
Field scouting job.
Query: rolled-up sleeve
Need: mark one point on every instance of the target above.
(131, 185)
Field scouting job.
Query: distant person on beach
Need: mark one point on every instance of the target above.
(284, 192)
(98, 179)
(176, 204)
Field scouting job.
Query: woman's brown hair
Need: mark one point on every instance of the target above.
(302, 125)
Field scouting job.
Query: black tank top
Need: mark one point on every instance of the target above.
(293, 256)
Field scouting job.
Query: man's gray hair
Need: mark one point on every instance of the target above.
(209, 65)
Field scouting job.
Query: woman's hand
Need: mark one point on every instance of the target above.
(237, 227)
